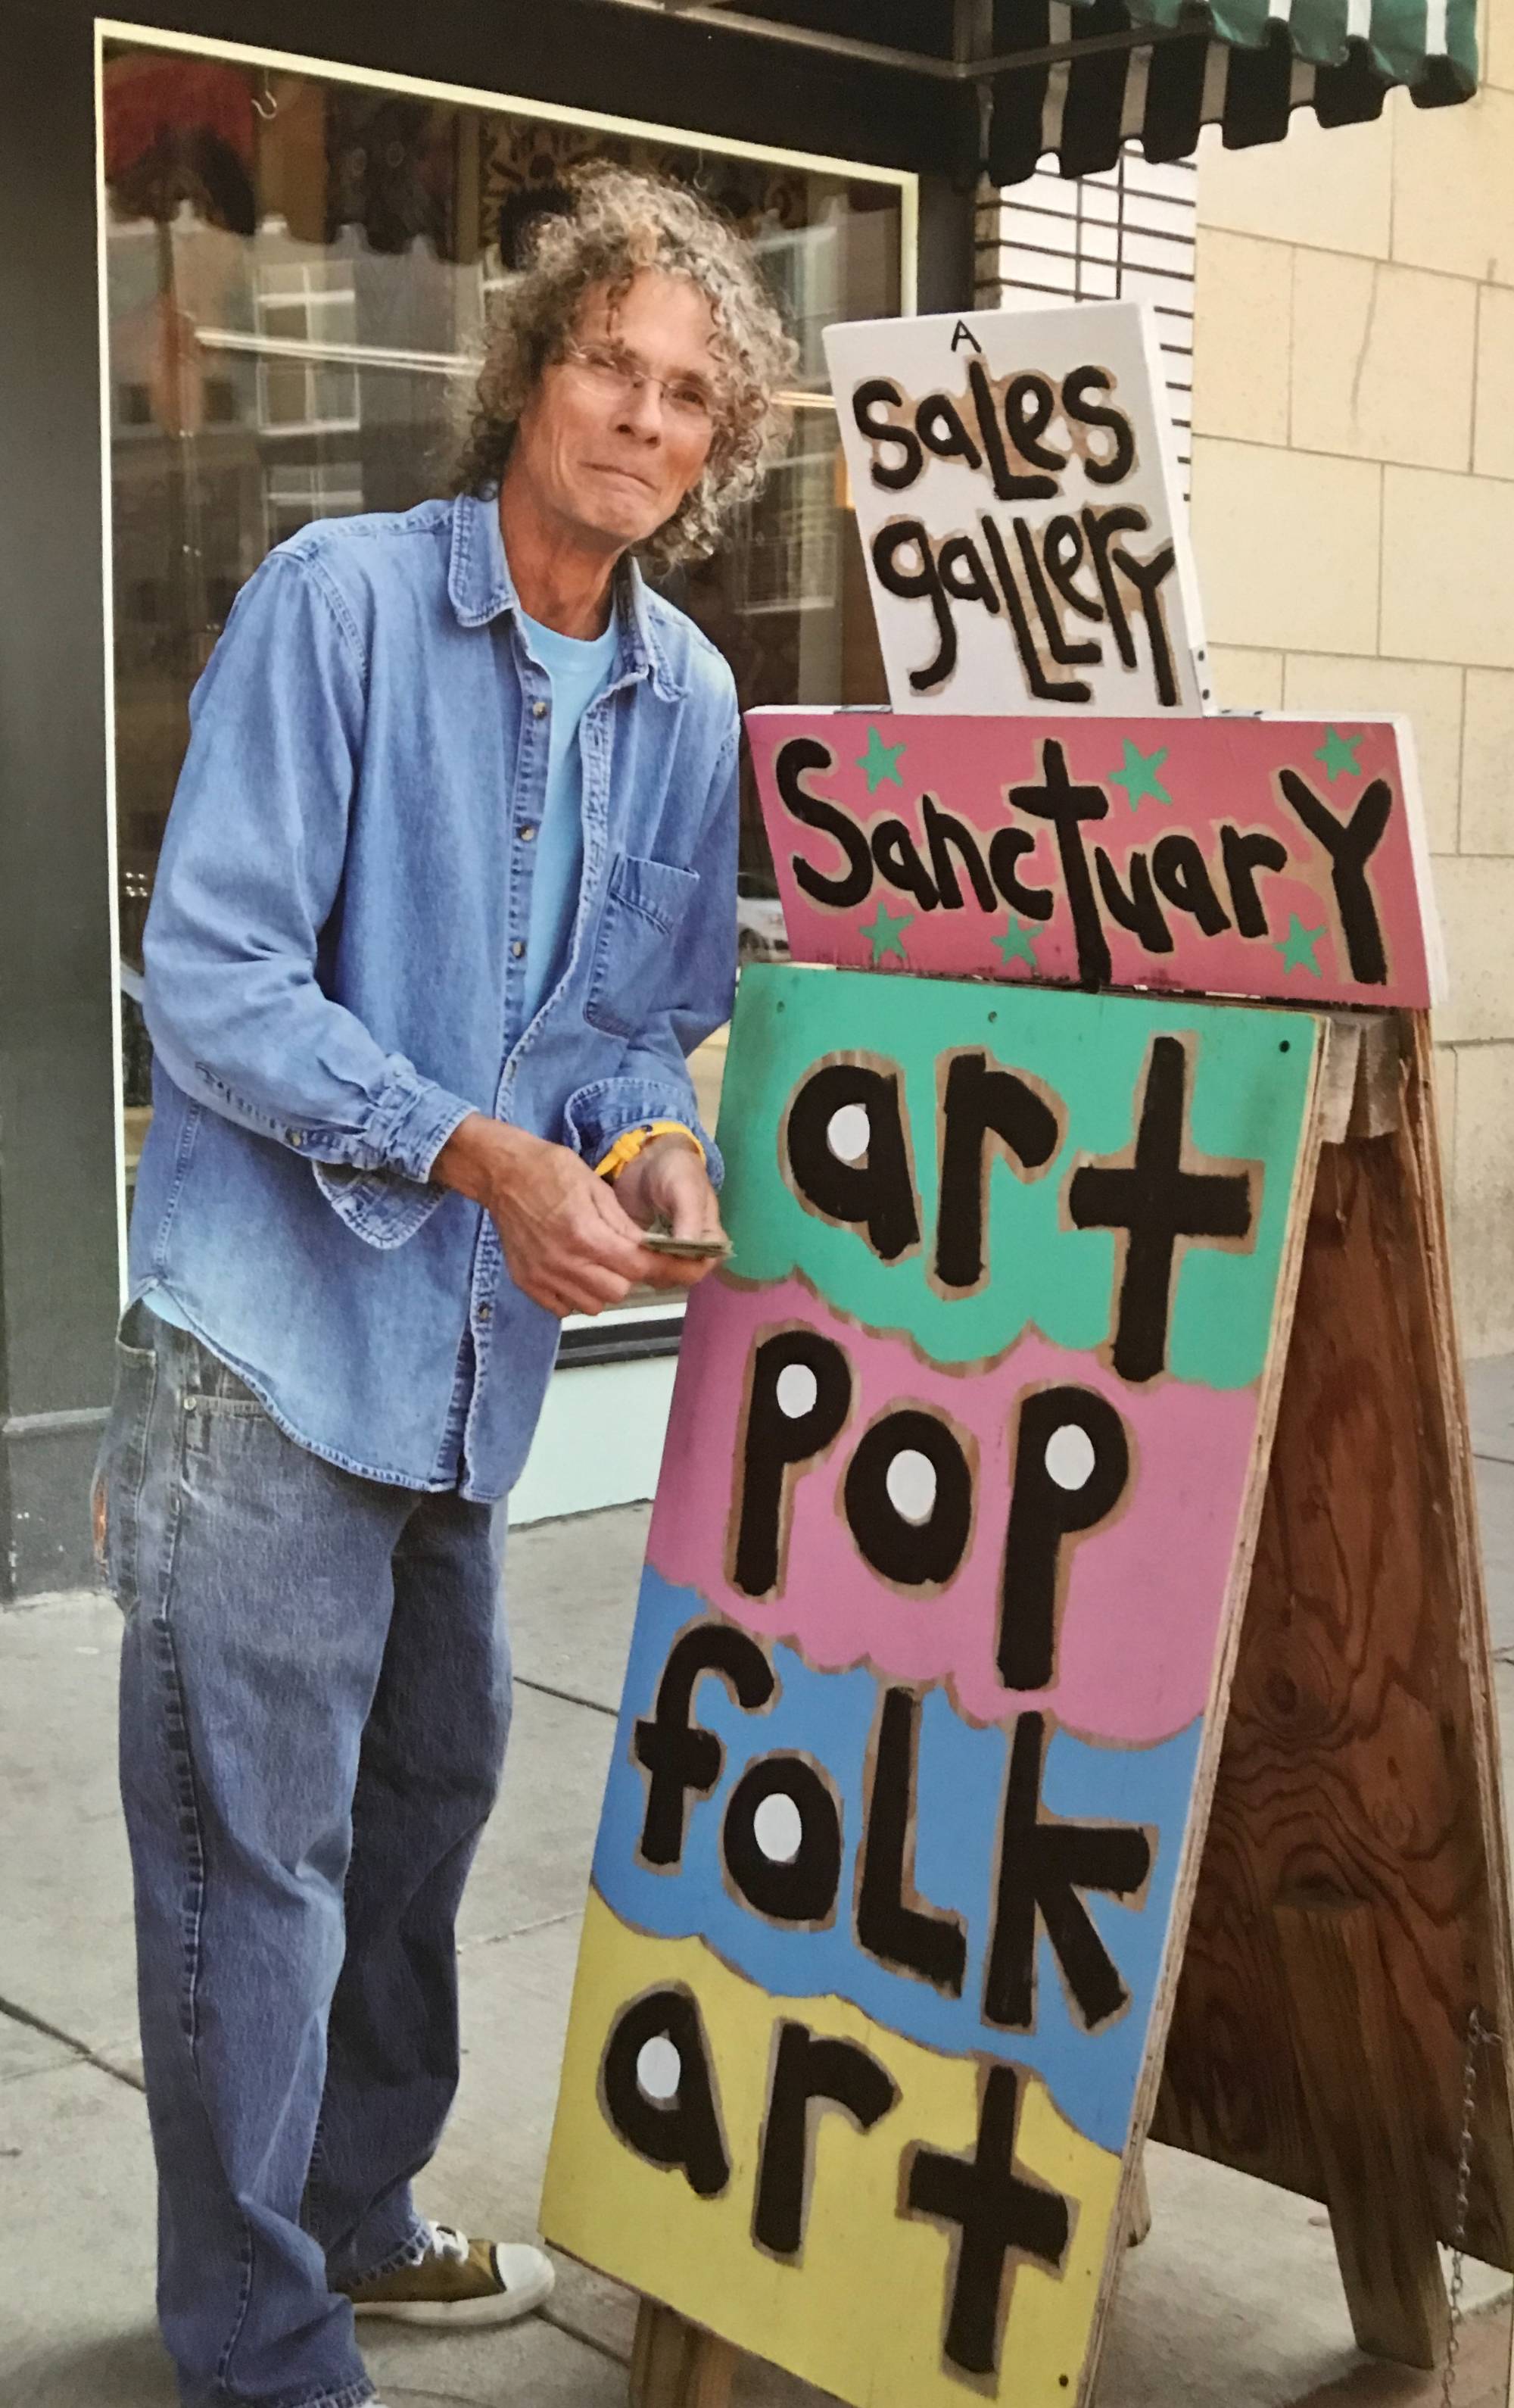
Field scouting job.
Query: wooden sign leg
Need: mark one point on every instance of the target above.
(675, 2364)
(1139, 2219)
(1362, 2113)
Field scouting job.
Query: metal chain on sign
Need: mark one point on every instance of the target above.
(1478, 2036)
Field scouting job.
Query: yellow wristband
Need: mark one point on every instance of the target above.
(626, 1148)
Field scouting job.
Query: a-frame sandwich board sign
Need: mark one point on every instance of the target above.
(1058, 1697)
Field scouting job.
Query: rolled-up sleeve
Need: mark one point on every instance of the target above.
(251, 867)
(693, 998)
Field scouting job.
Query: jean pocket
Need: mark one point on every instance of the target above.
(644, 909)
(120, 1466)
(211, 1385)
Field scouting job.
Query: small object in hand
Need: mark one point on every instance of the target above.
(659, 1239)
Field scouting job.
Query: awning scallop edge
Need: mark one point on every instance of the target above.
(1157, 71)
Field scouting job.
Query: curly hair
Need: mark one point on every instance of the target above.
(621, 224)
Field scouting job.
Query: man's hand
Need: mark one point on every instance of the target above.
(667, 1180)
(568, 1243)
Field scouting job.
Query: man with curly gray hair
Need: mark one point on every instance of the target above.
(446, 900)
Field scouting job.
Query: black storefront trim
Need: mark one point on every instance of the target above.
(619, 64)
(622, 1342)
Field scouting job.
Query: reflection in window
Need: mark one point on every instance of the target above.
(790, 559)
(306, 320)
(325, 489)
(298, 291)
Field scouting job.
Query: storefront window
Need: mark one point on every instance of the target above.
(299, 273)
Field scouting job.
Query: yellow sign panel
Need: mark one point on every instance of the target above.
(866, 2262)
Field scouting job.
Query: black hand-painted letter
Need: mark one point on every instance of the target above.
(943, 832)
(1044, 687)
(833, 2073)
(1042, 1867)
(685, 2129)
(1244, 852)
(1008, 485)
(995, 2211)
(1149, 577)
(869, 406)
(851, 886)
(1139, 910)
(916, 584)
(1155, 1200)
(1007, 846)
(928, 1941)
(1077, 390)
(1060, 646)
(938, 424)
(801, 1888)
(875, 1192)
(1183, 873)
(981, 1104)
(1351, 845)
(915, 1554)
(678, 1754)
(1067, 806)
(1045, 1512)
(781, 1435)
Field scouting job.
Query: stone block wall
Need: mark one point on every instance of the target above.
(1353, 513)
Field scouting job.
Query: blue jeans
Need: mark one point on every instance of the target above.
(314, 1704)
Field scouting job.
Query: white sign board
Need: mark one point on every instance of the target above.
(1016, 484)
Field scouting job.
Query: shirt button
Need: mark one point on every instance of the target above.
(486, 1312)
(538, 710)
(294, 1138)
(518, 948)
(527, 834)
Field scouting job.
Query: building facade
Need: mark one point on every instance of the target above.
(1337, 324)
(248, 248)
(1354, 515)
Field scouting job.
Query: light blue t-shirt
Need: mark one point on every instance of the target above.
(579, 671)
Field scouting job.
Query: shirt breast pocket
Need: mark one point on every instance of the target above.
(644, 908)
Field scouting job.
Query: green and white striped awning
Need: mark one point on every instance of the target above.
(1099, 73)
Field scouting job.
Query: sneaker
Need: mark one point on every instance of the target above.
(459, 2283)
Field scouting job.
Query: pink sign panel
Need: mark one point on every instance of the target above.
(1273, 857)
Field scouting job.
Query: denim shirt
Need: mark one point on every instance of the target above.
(337, 974)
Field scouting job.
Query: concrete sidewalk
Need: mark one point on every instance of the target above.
(1235, 2298)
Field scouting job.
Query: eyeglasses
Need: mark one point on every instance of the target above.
(620, 377)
